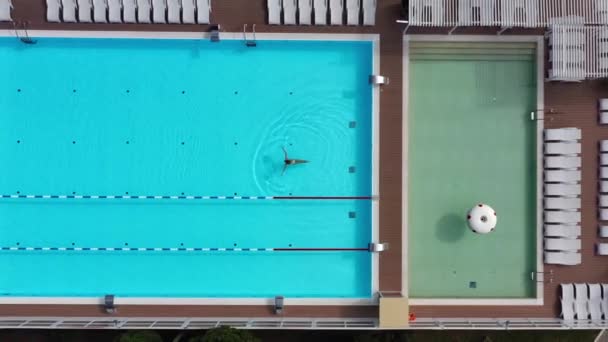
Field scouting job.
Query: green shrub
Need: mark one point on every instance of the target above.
(225, 334)
(139, 336)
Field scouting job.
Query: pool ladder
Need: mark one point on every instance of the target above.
(25, 39)
(539, 277)
(249, 43)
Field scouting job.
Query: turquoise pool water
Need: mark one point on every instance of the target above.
(185, 118)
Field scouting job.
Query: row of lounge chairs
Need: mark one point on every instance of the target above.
(584, 301)
(602, 201)
(6, 7)
(577, 52)
(503, 13)
(129, 11)
(562, 190)
(301, 12)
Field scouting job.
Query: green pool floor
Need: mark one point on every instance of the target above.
(471, 141)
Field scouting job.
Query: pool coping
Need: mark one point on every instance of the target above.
(539, 111)
(375, 281)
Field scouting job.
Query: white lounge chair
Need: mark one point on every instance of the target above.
(603, 231)
(100, 11)
(603, 186)
(595, 301)
(561, 217)
(604, 304)
(144, 11)
(602, 42)
(567, 301)
(519, 13)
(353, 8)
(85, 10)
(53, 11)
(603, 103)
(562, 162)
(476, 13)
(69, 10)
(203, 11)
(562, 203)
(320, 10)
(427, 13)
(115, 11)
(602, 201)
(562, 244)
(603, 118)
(305, 12)
(562, 148)
(561, 189)
(602, 249)
(603, 174)
(289, 12)
(560, 230)
(188, 11)
(129, 11)
(562, 258)
(603, 214)
(581, 301)
(6, 7)
(274, 11)
(603, 145)
(174, 9)
(563, 176)
(336, 12)
(159, 11)
(601, 8)
(603, 159)
(562, 134)
(369, 12)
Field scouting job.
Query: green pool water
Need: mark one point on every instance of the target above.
(471, 140)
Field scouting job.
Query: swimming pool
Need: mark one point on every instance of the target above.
(154, 168)
(471, 140)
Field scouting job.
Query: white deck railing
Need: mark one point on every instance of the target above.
(578, 52)
(292, 323)
(504, 13)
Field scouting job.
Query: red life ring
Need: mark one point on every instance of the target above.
(412, 316)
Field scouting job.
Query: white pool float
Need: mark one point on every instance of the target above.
(482, 219)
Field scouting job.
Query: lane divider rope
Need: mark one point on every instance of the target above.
(184, 197)
(179, 249)
(137, 249)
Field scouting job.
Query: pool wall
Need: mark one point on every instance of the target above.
(374, 38)
(539, 116)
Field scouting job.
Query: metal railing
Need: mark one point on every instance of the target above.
(292, 323)
(504, 13)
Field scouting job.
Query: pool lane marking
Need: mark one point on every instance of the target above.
(180, 249)
(320, 249)
(190, 197)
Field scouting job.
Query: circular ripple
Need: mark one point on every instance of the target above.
(320, 129)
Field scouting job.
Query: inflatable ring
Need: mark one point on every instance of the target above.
(482, 219)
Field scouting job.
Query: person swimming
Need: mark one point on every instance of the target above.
(289, 162)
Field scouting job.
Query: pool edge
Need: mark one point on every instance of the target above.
(375, 263)
(540, 62)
